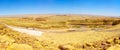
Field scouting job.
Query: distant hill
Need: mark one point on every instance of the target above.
(49, 15)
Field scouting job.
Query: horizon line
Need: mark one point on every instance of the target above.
(58, 14)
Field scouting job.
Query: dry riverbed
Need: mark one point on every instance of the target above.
(25, 30)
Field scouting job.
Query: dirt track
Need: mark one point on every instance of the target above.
(25, 30)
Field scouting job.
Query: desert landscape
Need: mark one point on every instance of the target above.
(59, 24)
(59, 32)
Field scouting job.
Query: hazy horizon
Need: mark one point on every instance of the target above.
(90, 7)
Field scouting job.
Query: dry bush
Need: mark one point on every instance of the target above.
(40, 19)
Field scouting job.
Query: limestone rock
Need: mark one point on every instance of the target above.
(16, 46)
(66, 47)
(5, 38)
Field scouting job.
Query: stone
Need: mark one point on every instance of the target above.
(116, 47)
(66, 47)
(16, 46)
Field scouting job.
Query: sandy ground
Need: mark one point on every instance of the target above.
(25, 30)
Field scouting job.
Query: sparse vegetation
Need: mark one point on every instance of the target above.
(73, 38)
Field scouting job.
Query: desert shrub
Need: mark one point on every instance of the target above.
(97, 26)
(93, 26)
(74, 22)
(40, 19)
(26, 18)
(76, 26)
(116, 22)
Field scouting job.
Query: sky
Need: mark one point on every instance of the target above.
(91, 7)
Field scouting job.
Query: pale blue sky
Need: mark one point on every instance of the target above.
(93, 7)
